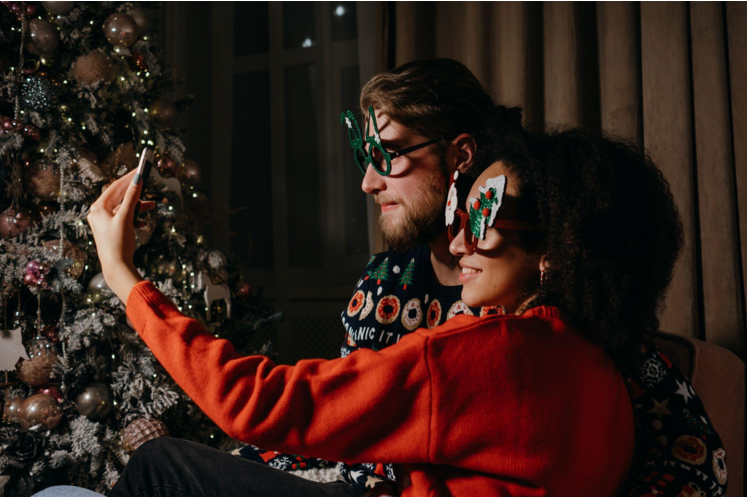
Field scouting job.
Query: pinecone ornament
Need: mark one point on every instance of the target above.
(141, 430)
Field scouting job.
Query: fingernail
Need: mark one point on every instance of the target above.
(136, 179)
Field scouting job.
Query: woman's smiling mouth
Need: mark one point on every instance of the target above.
(469, 273)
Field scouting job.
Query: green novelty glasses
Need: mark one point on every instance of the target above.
(376, 155)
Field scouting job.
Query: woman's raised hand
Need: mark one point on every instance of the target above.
(111, 220)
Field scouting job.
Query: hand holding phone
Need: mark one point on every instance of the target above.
(144, 170)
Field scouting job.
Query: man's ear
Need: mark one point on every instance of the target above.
(461, 153)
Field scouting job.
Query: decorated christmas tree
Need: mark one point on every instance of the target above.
(82, 91)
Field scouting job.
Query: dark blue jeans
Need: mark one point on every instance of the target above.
(170, 467)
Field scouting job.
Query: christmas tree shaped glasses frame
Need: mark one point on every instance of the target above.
(482, 214)
(376, 155)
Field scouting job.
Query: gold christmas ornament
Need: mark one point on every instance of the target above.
(42, 358)
(120, 30)
(58, 8)
(191, 171)
(14, 222)
(12, 409)
(163, 112)
(42, 37)
(42, 180)
(140, 431)
(166, 267)
(40, 412)
(92, 68)
(95, 402)
(140, 17)
(71, 251)
(98, 290)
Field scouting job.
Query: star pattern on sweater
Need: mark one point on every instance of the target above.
(371, 482)
(660, 408)
(683, 391)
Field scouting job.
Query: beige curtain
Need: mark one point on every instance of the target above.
(670, 76)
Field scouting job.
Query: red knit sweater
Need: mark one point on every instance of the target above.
(504, 405)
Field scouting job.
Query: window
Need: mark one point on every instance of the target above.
(281, 75)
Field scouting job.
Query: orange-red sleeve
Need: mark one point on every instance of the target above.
(370, 406)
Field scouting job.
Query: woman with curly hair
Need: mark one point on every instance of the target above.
(608, 230)
(575, 240)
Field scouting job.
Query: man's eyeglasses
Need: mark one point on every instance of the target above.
(376, 155)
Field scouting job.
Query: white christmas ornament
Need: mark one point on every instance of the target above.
(168, 185)
(214, 292)
(11, 349)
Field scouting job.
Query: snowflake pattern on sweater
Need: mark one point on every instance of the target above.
(677, 450)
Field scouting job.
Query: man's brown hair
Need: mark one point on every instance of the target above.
(437, 98)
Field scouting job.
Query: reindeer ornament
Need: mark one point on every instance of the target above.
(214, 292)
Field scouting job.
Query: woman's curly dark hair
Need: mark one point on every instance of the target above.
(608, 224)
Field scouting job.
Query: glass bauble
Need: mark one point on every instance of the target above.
(95, 402)
(121, 30)
(40, 412)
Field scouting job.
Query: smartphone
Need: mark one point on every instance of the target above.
(144, 169)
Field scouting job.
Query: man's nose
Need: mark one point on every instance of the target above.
(373, 182)
(457, 247)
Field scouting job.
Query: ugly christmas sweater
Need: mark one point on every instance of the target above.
(504, 405)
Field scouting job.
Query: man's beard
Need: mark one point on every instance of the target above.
(423, 217)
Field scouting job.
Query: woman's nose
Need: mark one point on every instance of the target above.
(457, 247)
(373, 182)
